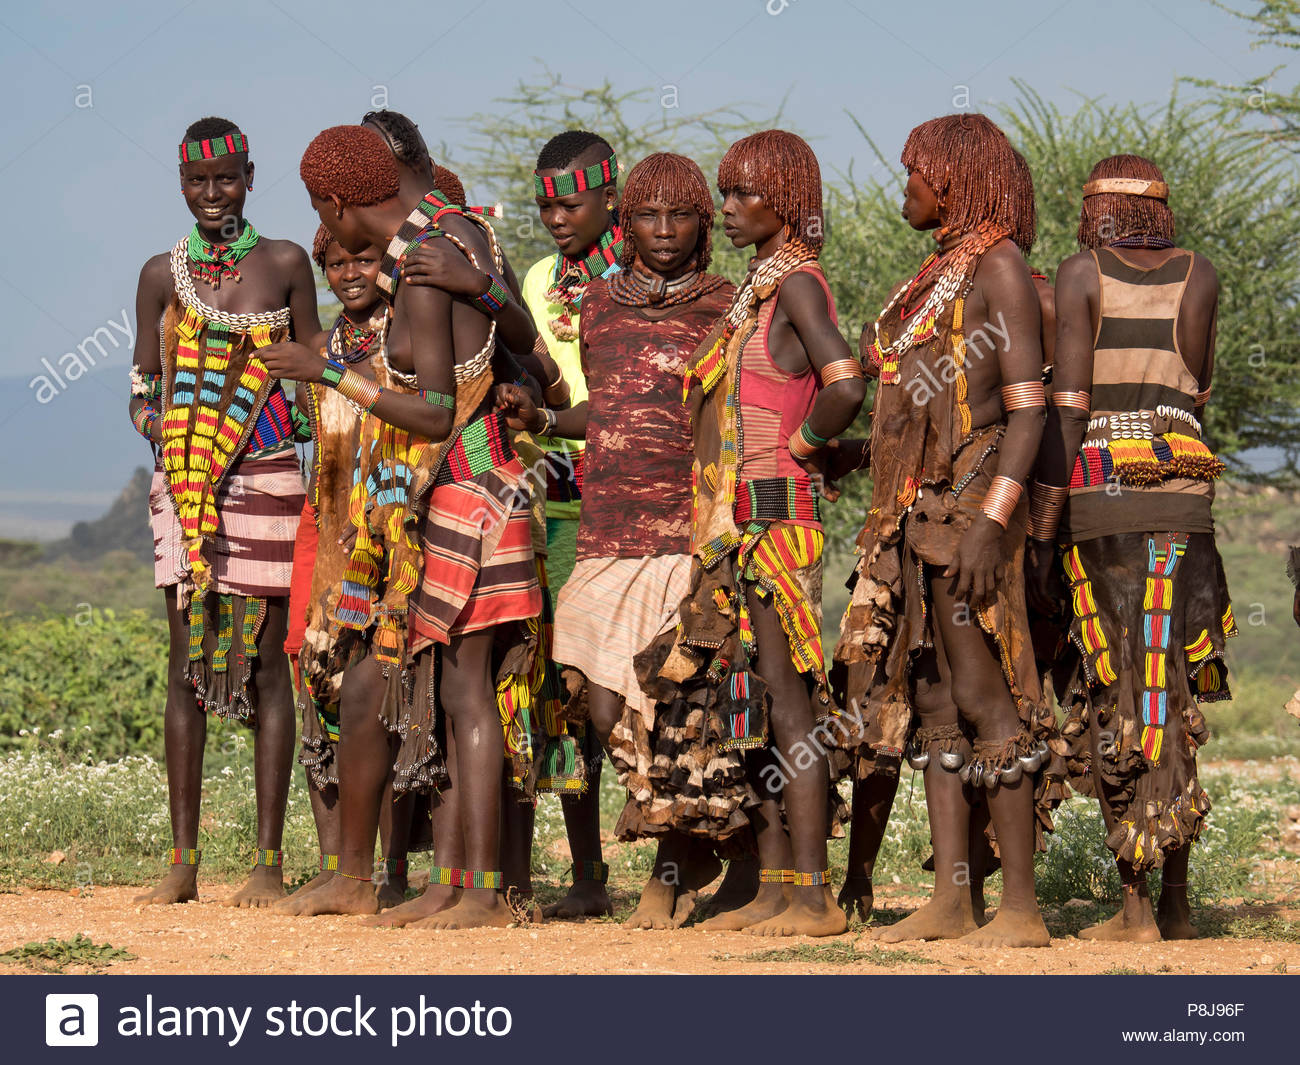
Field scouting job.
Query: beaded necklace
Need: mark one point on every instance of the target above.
(953, 275)
(212, 262)
(351, 342)
(633, 288)
(1137, 240)
(573, 275)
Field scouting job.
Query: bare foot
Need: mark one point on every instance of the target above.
(477, 908)
(435, 899)
(770, 900)
(319, 880)
(1174, 916)
(392, 892)
(264, 886)
(810, 913)
(179, 885)
(1123, 928)
(1011, 928)
(949, 917)
(856, 897)
(587, 898)
(738, 888)
(657, 908)
(341, 895)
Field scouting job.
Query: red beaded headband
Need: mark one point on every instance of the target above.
(591, 177)
(211, 148)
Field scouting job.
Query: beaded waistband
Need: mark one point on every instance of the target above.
(777, 499)
(480, 446)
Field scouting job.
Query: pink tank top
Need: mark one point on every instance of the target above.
(774, 402)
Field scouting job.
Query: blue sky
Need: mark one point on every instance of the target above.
(98, 96)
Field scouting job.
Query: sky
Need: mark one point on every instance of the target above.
(99, 95)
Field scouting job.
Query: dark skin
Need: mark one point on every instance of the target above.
(966, 659)
(1078, 300)
(352, 279)
(276, 273)
(575, 224)
(664, 237)
(431, 332)
(802, 335)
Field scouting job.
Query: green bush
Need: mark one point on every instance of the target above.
(96, 669)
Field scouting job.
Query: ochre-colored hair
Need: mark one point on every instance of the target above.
(974, 172)
(1108, 216)
(782, 169)
(448, 183)
(352, 163)
(320, 245)
(1027, 214)
(674, 180)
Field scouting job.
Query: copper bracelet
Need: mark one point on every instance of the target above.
(1077, 400)
(1023, 394)
(361, 390)
(801, 448)
(841, 370)
(1000, 501)
(1046, 501)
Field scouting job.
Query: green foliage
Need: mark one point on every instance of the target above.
(97, 669)
(56, 955)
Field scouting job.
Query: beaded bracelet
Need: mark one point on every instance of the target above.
(1000, 501)
(1046, 501)
(438, 399)
(143, 420)
(332, 372)
(495, 298)
(841, 370)
(1077, 400)
(1022, 395)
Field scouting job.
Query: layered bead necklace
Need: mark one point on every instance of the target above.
(638, 288)
(573, 276)
(211, 263)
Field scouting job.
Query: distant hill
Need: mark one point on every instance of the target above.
(125, 527)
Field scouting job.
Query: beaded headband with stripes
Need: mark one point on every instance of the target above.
(230, 144)
(591, 177)
(1156, 190)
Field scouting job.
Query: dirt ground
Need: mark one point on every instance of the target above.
(209, 938)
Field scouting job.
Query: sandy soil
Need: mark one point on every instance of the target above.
(207, 937)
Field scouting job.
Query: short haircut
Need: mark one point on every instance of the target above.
(670, 179)
(208, 128)
(403, 137)
(560, 152)
(1111, 216)
(973, 170)
(352, 163)
(782, 169)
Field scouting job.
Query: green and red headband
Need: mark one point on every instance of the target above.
(592, 177)
(230, 144)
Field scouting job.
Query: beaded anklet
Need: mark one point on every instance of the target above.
(329, 863)
(394, 866)
(363, 879)
(594, 871)
(186, 856)
(469, 878)
(776, 876)
(812, 879)
(274, 859)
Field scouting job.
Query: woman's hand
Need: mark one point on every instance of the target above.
(291, 361)
(976, 564)
(440, 264)
(521, 412)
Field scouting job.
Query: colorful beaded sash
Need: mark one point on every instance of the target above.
(482, 445)
(1157, 622)
(777, 499)
(1144, 462)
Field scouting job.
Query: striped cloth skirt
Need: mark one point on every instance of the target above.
(610, 609)
(478, 558)
(258, 506)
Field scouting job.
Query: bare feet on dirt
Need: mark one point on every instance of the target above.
(319, 880)
(770, 900)
(392, 892)
(477, 908)
(658, 907)
(856, 897)
(1011, 928)
(738, 888)
(179, 885)
(949, 917)
(587, 898)
(1174, 915)
(264, 886)
(812, 912)
(343, 895)
(1122, 928)
(435, 899)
